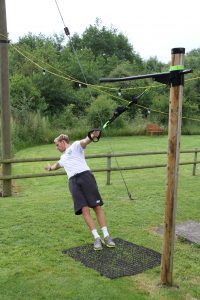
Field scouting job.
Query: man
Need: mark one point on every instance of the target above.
(82, 185)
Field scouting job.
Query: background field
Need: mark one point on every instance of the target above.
(38, 223)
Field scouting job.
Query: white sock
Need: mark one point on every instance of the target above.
(105, 231)
(95, 234)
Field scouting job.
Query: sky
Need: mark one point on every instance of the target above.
(153, 27)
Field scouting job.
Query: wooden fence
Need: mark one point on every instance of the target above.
(108, 169)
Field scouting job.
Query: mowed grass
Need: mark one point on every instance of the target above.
(38, 223)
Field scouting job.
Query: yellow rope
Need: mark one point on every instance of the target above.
(96, 87)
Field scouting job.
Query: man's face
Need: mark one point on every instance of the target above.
(61, 146)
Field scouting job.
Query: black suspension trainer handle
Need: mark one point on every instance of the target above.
(95, 139)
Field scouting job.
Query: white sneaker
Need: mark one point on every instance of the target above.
(98, 244)
(109, 242)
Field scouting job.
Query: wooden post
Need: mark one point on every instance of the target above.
(174, 133)
(108, 169)
(4, 99)
(195, 162)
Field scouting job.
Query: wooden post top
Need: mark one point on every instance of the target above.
(178, 50)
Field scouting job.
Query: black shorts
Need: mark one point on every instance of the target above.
(84, 191)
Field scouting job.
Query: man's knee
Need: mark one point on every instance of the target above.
(98, 209)
(85, 210)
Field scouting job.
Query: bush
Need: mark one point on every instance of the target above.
(101, 110)
(190, 127)
(66, 119)
(30, 129)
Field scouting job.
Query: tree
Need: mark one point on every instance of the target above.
(152, 65)
(105, 42)
(25, 95)
(192, 87)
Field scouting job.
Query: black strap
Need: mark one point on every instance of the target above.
(95, 139)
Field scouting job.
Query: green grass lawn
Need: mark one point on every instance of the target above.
(38, 223)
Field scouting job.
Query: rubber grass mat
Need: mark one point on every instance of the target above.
(125, 259)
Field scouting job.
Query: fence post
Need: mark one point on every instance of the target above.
(108, 168)
(195, 162)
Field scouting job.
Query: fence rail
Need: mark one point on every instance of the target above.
(108, 169)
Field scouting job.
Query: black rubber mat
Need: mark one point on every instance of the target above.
(125, 259)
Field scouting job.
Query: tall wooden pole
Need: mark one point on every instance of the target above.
(4, 99)
(174, 133)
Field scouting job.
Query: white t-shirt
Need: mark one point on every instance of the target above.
(73, 160)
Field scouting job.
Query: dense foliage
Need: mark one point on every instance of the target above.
(58, 80)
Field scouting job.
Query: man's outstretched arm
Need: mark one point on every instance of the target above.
(53, 167)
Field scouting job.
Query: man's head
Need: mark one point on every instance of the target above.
(62, 142)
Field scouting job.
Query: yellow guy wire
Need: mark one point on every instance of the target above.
(96, 87)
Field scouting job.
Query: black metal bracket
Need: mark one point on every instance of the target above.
(4, 41)
(174, 77)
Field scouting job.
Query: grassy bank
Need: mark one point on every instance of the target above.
(38, 223)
